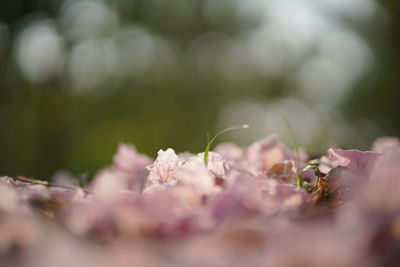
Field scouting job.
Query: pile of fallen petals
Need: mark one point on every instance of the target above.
(263, 205)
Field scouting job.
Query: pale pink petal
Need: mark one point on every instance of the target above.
(354, 160)
(64, 178)
(229, 151)
(386, 144)
(194, 173)
(262, 155)
(10, 200)
(247, 195)
(164, 167)
(108, 185)
(20, 233)
(217, 164)
(381, 193)
(133, 164)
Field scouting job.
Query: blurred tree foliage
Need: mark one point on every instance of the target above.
(380, 95)
(47, 126)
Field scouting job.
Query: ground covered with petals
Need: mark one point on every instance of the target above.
(263, 205)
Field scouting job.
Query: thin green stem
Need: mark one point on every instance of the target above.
(209, 143)
(299, 179)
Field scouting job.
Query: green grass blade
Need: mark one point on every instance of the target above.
(299, 179)
(209, 143)
(292, 136)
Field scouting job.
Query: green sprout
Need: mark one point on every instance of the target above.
(209, 142)
(299, 179)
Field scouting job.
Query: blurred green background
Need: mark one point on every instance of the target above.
(79, 76)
